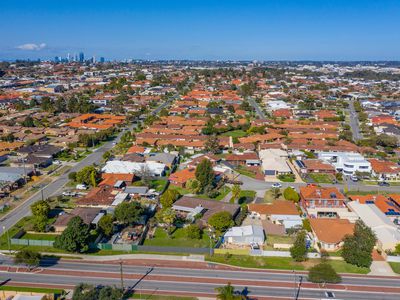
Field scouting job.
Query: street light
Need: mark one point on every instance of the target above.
(211, 234)
(8, 239)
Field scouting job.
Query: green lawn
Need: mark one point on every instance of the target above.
(39, 236)
(235, 133)
(341, 266)
(181, 191)
(223, 191)
(287, 178)
(246, 196)
(284, 263)
(158, 184)
(395, 267)
(178, 239)
(278, 239)
(244, 171)
(269, 198)
(30, 289)
(321, 178)
(159, 297)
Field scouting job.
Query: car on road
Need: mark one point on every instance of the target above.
(354, 178)
(276, 185)
(383, 183)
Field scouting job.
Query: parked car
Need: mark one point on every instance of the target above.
(383, 183)
(354, 178)
(276, 185)
(81, 187)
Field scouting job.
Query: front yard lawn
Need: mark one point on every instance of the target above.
(177, 239)
(235, 133)
(246, 196)
(283, 263)
(395, 267)
(321, 178)
(244, 171)
(287, 178)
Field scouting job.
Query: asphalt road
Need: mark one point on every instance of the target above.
(202, 281)
(55, 186)
(259, 111)
(354, 125)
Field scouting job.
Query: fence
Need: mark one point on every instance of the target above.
(27, 242)
(391, 258)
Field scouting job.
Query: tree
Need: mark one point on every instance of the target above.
(84, 291)
(168, 198)
(107, 155)
(323, 273)
(385, 140)
(205, 174)
(193, 185)
(128, 212)
(221, 221)
(397, 249)
(276, 192)
(106, 224)
(168, 217)
(75, 238)
(291, 194)
(28, 122)
(40, 211)
(27, 257)
(236, 190)
(299, 249)
(212, 144)
(193, 232)
(227, 292)
(72, 176)
(88, 175)
(357, 248)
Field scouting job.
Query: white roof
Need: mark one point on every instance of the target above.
(385, 230)
(274, 159)
(248, 230)
(127, 167)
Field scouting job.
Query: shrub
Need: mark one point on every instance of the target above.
(323, 273)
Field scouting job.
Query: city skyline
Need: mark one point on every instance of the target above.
(259, 30)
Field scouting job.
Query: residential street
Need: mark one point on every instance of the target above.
(56, 185)
(198, 279)
(355, 127)
(258, 109)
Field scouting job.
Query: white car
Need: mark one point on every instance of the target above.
(276, 185)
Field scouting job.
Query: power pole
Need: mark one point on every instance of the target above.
(122, 274)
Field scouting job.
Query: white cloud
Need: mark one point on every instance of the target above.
(32, 47)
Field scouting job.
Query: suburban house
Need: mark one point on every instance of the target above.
(309, 166)
(386, 232)
(126, 167)
(280, 212)
(89, 215)
(12, 178)
(243, 159)
(274, 162)
(329, 233)
(320, 202)
(245, 235)
(169, 160)
(180, 177)
(102, 196)
(385, 169)
(385, 204)
(189, 207)
(347, 162)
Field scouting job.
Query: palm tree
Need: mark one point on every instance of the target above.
(227, 292)
(236, 191)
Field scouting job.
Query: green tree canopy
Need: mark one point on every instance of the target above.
(291, 194)
(227, 292)
(84, 291)
(323, 273)
(299, 249)
(357, 248)
(193, 232)
(128, 212)
(40, 211)
(168, 198)
(204, 173)
(27, 257)
(88, 175)
(75, 238)
(221, 221)
(106, 224)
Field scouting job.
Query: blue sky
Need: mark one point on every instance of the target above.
(263, 30)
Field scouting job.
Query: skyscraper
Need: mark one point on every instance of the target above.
(102, 60)
(81, 57)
